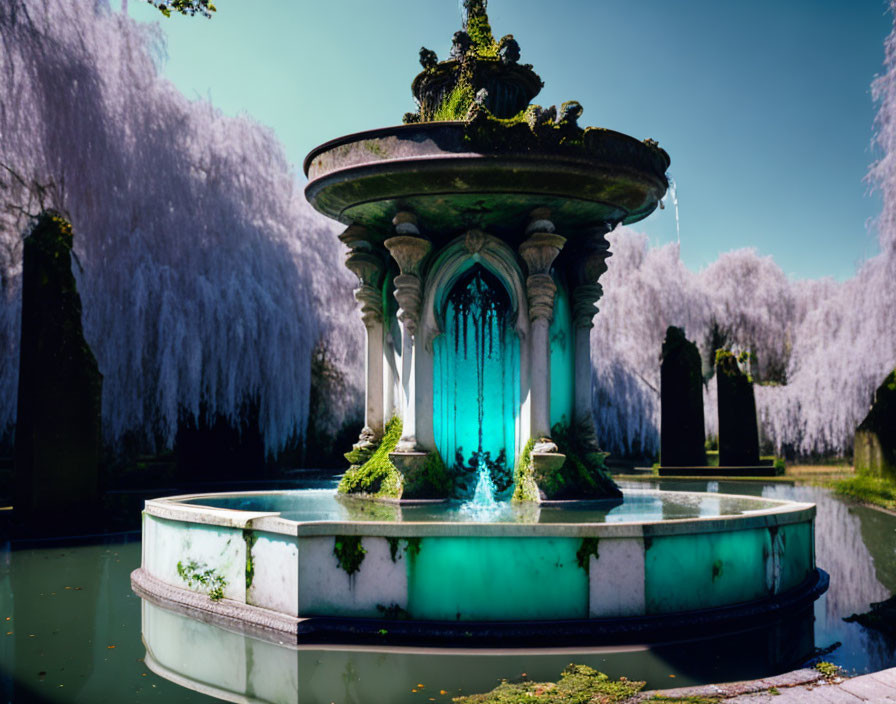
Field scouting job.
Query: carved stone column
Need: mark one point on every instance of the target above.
(589, 263)
(369, 265)
(539, 251)
(409, 250)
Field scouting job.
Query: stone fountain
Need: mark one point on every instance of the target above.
(481, 220)
(477, 230)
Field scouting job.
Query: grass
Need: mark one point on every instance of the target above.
(867, 489)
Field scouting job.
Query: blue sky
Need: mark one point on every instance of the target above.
(764, 106)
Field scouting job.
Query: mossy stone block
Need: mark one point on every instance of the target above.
(58, 431)
(682, 433)
(875, 442)
(738, 427)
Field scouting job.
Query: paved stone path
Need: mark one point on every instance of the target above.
(801, 687)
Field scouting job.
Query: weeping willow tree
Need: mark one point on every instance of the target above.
(820, 348)
(206, 279)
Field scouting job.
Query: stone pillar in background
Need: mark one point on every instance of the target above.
(682, 434)
(369, 265)
(738, 427)
(539, 252)
(875, 443)
(58, 432)
(589, 263)
(409, 250)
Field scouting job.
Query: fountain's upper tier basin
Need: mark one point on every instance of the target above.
(434, 170)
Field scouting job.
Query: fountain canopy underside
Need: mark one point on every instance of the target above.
(584, 569)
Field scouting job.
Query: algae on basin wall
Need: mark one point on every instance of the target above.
(875, 443)
(57, 445)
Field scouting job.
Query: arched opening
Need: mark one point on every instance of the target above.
(476, 385)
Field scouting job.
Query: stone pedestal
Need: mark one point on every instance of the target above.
(57, 446)
(738, 428)
(875, 443)
(682, 435)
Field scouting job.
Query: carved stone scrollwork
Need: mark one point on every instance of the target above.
(539, 252)
(409, 250)
(369, 265)
(591, 263)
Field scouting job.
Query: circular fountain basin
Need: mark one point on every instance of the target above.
(309, 563)
(432, 170)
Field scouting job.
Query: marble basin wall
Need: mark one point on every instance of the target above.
(463, 571)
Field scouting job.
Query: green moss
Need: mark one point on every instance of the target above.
(583, 474)
(876, 491)
(393, 548)
(411, 547)
(393, 612)
(480, 32)
(585, 551)
(828, 669)
(249, 537)
(197, 574)
(456, 104)
(431, 481)
(377, 476)
(525, 488)
(349, 552)
(578, 684)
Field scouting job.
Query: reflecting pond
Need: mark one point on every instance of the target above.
(72, 631)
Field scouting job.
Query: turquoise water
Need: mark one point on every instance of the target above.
(636, 506)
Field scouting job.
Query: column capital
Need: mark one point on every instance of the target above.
(409, 250)
(366, 261)
(539, 252)
(589, 264)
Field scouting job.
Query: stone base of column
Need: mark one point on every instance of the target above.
(423, 475)
(544, 463)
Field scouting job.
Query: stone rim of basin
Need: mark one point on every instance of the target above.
(781, 512)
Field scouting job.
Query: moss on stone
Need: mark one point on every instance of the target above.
(586, 550)
(583, 474)
(249, 537)
(456, 103)
(377, 477)
(431, 481)
(349, 552)
(525, 488)
(578, 684)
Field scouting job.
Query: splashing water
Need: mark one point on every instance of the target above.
(483, 505)
(673, 194)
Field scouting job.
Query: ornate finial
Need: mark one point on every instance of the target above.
(509, 49)
(428, 58)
